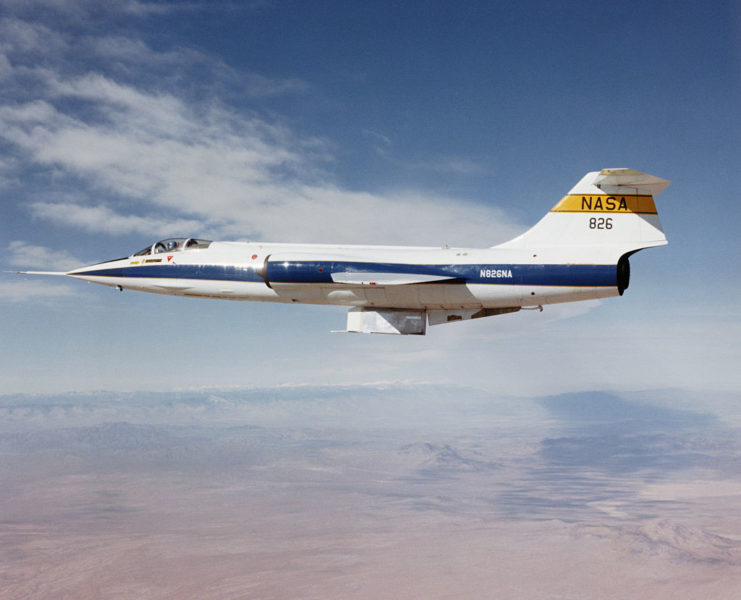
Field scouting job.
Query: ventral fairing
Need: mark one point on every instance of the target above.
(577, 251)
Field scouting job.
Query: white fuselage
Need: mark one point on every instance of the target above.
(578, 251)
(428, 278)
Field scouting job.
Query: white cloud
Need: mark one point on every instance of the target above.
(85, 9)
(28, 256)
(141, 159)
(132, 51)
(27, 291)
(29, 38)
(102, 218)
(129, 55)
(231, 173)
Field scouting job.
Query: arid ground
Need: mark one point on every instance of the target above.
(369, 492)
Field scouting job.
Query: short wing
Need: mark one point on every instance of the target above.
(358, 278)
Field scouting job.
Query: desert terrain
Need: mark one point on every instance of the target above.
(398, 491)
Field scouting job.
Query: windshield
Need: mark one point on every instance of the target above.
(174, 245)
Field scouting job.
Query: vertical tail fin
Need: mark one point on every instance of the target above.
(606, 215)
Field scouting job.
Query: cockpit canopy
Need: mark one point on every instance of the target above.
(174, 245)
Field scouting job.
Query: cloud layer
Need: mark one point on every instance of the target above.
(28, 256)
(144, 154)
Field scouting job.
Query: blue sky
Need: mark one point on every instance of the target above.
(371, 122)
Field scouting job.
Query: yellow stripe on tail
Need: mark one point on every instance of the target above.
(575, 203)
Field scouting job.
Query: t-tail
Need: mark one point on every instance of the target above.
(606, 217)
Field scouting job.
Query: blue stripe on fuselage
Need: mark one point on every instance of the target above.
(321, 272)
(170, 271)
(508, 274)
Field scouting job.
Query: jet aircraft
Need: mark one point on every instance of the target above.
(577, 251)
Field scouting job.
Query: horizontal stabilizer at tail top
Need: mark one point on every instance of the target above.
(356, 278)
(635, 181)
(623, 182)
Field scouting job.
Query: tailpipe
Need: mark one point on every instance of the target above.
(623, 273)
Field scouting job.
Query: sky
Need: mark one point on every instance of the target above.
(432, 123)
